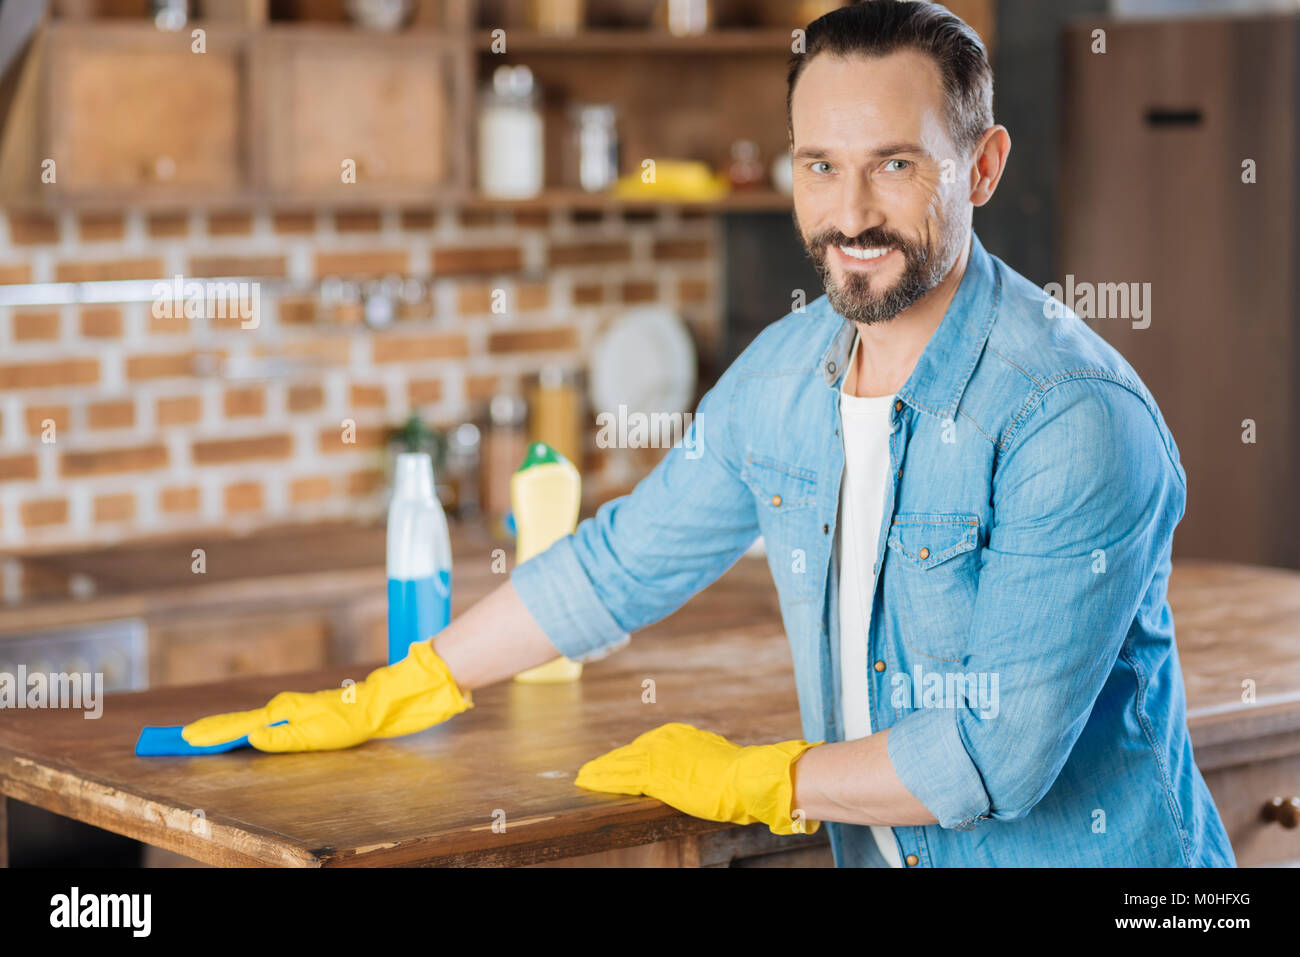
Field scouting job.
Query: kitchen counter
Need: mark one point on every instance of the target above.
(275, 601)
(151, 576)
(513, 757)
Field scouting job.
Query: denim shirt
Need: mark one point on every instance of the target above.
(1021, 646)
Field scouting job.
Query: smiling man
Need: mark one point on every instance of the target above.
(968, 509)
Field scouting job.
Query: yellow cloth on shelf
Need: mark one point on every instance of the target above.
(675, 180)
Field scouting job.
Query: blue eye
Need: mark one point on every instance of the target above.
(821, 163)
(904, 164)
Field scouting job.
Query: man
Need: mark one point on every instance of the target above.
(967, 503)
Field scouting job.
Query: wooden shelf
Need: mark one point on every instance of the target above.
(587, 42)
(125, 28)
(756, 200)
(594, 42)
(246, 67)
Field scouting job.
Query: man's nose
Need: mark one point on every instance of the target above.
(858, 207)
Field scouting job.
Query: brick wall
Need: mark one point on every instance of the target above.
(113, 424)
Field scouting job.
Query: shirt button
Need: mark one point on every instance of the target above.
(925, 553)
(830, 367)
(898, 406)
(776, 500)
(879, 666)
(912, 860)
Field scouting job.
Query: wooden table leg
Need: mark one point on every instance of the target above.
(4, 831)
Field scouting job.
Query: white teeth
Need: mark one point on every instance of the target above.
(863, 253)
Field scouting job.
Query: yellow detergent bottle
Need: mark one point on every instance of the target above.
(545, 495)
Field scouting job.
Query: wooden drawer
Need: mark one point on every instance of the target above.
(1240, 791)
(751, 846)
(215, 649)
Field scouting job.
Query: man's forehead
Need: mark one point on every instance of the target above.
(863, 98)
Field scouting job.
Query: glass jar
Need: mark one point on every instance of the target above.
(688, 17)
(504, 445)
(745, 171)
(511, 142)
(593, 151)
(564, 17)
(555, 412)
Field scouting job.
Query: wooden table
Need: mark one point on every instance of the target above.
(721, 663)
(440, 796)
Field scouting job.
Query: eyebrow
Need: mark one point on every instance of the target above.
(890, 149)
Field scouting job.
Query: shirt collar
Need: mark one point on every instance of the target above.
(939, 379)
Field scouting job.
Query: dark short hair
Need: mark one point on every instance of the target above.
(881, 27)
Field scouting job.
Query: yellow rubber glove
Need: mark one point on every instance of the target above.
(706, 776)
(416, 693)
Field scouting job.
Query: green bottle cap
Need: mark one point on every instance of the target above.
(539, 453)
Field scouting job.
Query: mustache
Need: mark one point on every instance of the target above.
(873, 238)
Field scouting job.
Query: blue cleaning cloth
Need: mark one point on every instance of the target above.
(156, 740)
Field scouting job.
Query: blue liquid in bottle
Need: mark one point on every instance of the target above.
(419, 558)
(417, 610)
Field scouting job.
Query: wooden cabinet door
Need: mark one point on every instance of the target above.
(220, 647)
(380, 108)
(133, 113)
(1240, 793)
(1156, 131)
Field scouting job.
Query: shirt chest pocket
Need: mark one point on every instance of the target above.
(785, 497)
(931, 578)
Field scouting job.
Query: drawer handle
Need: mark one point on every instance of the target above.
(1164, 117)
(1286, 811)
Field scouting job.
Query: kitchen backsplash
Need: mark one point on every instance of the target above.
(119, 423)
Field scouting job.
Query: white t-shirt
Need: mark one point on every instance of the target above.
(865, 427)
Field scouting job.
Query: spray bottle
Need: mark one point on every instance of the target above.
(419, 558)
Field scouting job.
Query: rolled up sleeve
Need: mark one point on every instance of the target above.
(1085, 502)
(555, 589)
(643, 555)
(933, 763)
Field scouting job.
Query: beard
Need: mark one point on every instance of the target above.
(857, 298)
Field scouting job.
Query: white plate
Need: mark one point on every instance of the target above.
(644, 360)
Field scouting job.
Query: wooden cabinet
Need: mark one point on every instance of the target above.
(128, 114)
(364, 622)
(345, 115)
(277, 601)
(217, 647)
(1240, 793)
(146, 113)
(111, 111)
(1238, 629)
(1158, 131)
